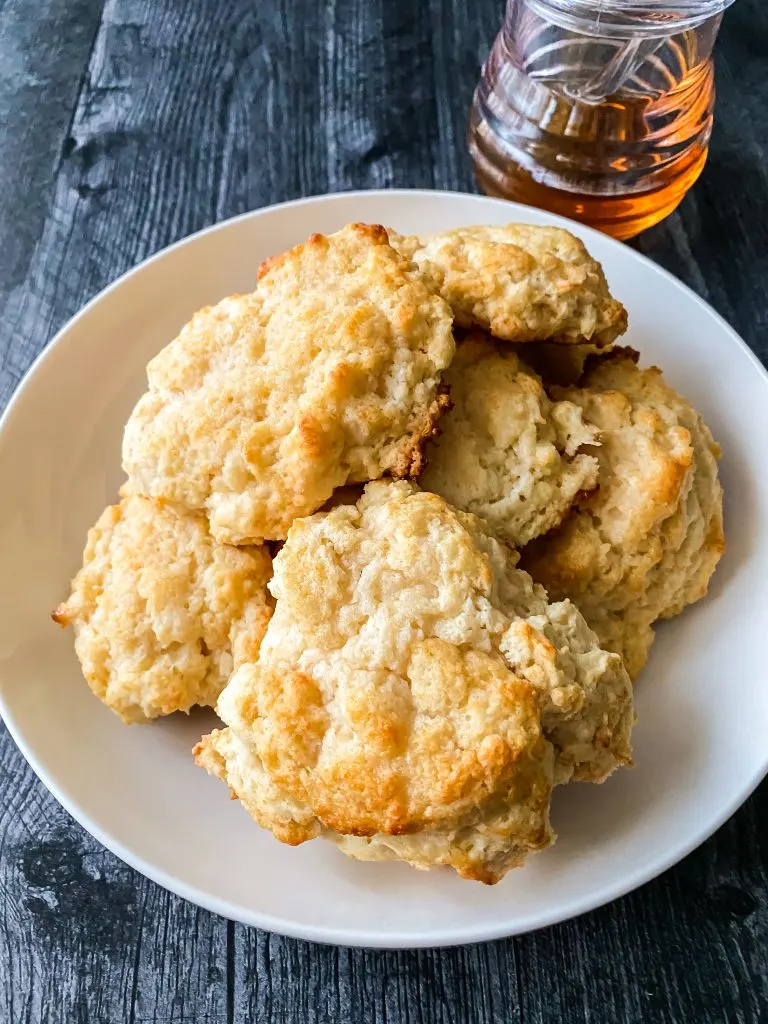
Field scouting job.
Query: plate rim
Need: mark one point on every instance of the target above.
(364, 937)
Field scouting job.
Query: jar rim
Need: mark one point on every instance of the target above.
(627, 18)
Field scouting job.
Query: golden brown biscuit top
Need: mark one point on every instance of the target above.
(521, 282)
(415, 696)
(646, 454)
(404, 634)
(645, 543)
(390, 753)
(162, 613)
(328, 374)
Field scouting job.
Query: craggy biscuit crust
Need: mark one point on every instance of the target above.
(646, 542)
(520, 282)
(506, 452)
(161, 612)
(330, 373)
(415, 695)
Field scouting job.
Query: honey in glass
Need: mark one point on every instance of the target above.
(598, 111)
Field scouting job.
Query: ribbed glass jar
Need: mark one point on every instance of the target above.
(599, 111)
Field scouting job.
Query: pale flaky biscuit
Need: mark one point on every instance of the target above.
(329, 374)
(161, 612)
(520, 282)
(505, 451)
(415, 696)
(645, 543)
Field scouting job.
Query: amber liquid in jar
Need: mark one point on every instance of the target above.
(609, 131)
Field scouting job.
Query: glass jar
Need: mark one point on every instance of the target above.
(598, 111)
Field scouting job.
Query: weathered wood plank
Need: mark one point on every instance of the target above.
(83, 937)
(44, 51)
(281, 980)
(690, 946)
(189, 112)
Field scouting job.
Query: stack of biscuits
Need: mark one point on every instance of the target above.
(405, 515)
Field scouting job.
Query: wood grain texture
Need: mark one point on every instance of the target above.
(43, 55)
(83, 938)
(127, 127)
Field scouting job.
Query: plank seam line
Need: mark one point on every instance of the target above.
(519, 980)
(230, 972)
(80, 89)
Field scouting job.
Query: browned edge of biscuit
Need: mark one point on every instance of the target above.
(616, 354)
(375, 232)
(60, 617)
(412, 461)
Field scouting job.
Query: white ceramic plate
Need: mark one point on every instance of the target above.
(702, 702)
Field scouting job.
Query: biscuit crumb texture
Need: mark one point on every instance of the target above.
(415, 696)
(520, 282)
(506, 452)
(643, 545)
(161, 612)
(329, 374)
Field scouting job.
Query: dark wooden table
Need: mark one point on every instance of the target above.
(129, 124)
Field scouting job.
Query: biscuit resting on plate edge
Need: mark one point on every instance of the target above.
(415, 696)
(520, 282)
(328, 374)
(645, 543)
(161, 612)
